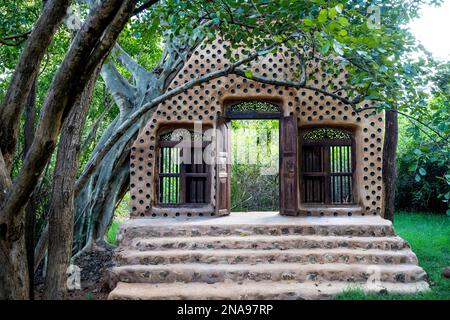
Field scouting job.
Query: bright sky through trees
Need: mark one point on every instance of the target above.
(432, 29)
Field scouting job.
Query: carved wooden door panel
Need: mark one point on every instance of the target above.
(288, 166)
(223, 168)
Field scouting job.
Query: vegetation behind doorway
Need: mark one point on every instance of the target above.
(255, 165)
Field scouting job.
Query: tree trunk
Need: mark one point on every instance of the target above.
(30, 214)
(95, 204)
(41, 247)
(390, 162)
(13, 259)
(120, 177)
(61, 210)
(90, 47)
(25, 72)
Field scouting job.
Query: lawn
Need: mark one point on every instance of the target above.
(429, 237)
(112, 232)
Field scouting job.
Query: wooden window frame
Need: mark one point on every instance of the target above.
(182, 175)
(327, 173)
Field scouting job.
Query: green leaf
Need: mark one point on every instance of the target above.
(308, 22)
(323, 16)
(342, 33)
(372, 97)
(343, 21)
(425, 148)
(278, 38)
(332, 13)
(324, 49)
(172, 19)
(422, 172)
(248, 73)
(198, 32)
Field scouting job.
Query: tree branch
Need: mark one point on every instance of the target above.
(93, 131)
(124, 58)
(121, 90)
(97, 158)
(26, 70)
(298, 85)
(413, 119)
(22, 36)
(144, 7)
(5, 179)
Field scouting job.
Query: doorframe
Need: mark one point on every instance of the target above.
(256, 115)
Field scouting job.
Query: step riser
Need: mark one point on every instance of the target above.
(253, 290)
(393, 244)
(166, 275)
(266, 257)
(290, 295)
(228, 230)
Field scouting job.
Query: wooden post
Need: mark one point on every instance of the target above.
(223, 153)
(288, 166)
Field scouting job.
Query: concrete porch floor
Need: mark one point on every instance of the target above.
(260, 218)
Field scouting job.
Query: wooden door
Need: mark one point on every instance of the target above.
(223, 168)
(288, 166)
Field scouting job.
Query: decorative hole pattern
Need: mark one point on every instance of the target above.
(205, 103)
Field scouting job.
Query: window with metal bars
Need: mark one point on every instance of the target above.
(184, 177)
(327, 166)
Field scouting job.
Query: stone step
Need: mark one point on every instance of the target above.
(250, 290)
(261, 224)
(250, 256)
(209, 273)
(268, 242)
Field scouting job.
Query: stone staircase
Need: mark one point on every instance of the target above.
(260, 256)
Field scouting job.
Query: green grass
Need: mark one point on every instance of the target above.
(112, 232)
(429, 237)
